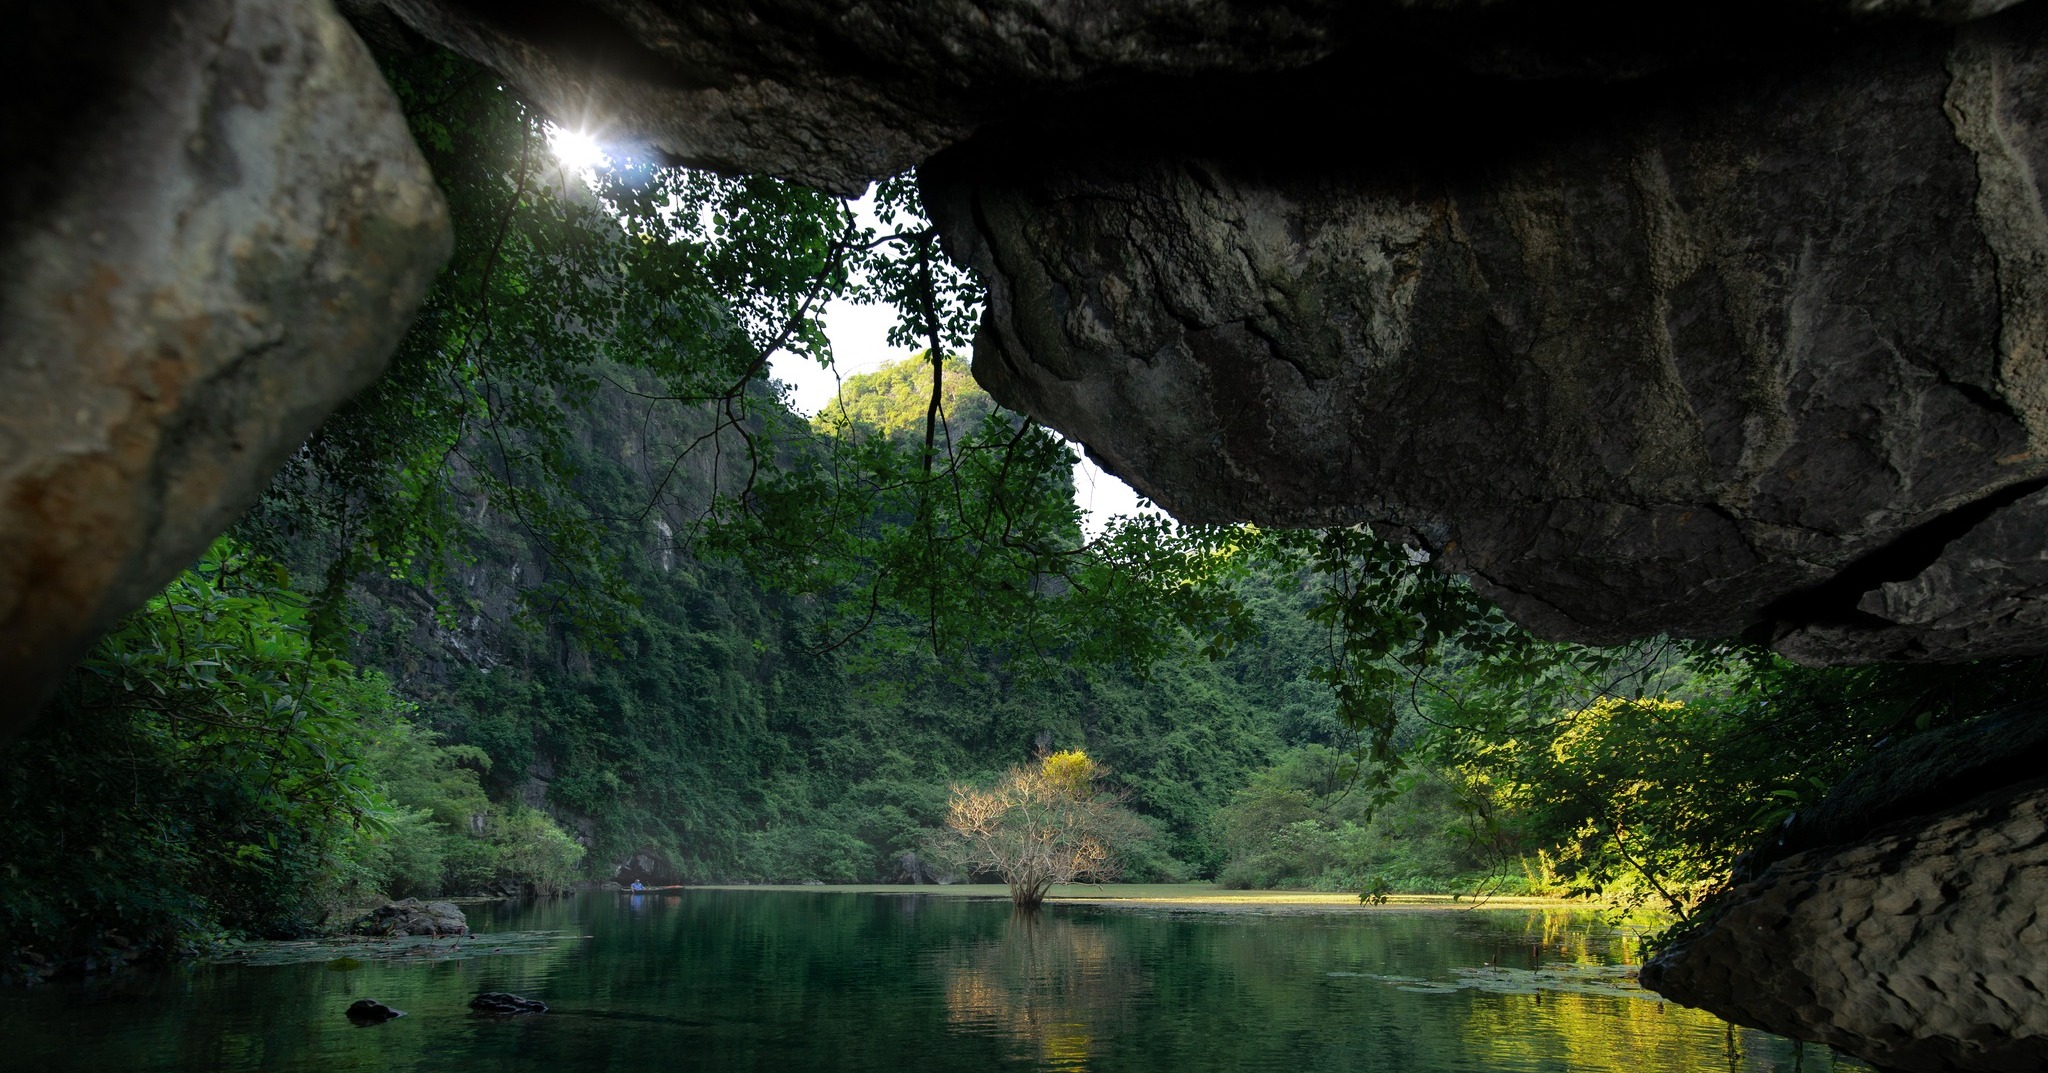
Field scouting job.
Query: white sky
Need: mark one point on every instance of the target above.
(860, 344)
(859, 335)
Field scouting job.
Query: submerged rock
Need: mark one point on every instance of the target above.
(413, 917)
(500, 1002)
(371, 1012)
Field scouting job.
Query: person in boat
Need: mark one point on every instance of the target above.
(637, 886)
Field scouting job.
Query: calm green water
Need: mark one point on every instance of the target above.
(780, 981)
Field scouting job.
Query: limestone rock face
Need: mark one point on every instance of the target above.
(838, 94)
(216, 230)
(1921, 947)
(1753, 352)
(1714, 319)
(841, 92)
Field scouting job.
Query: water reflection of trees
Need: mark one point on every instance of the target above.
(1050, 984)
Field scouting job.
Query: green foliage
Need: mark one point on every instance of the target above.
(913, 510)
(1305, 822)
(1650, 797)
(200, 773)
(893, 401)
(592, 369)
(208, 772)
(530, 852)
(678, 285)
(759, 646)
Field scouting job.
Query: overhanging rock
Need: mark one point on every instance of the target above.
(1724, 318)
(1761, 350)
(210, 248)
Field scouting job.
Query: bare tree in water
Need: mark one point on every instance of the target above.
(1042, 824)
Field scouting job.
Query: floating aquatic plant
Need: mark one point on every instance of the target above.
(1611, 981)
(346, 954)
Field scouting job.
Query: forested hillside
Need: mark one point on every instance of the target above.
(713, 734)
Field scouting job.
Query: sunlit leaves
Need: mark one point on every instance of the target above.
(1040, 825)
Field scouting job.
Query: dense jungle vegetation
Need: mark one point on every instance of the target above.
(573, 586)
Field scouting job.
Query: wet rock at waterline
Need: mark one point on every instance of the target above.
(217, 227)
(1919, 945)
(411, 916)
(371, 1012)
(1758, 350)
(505, 1004)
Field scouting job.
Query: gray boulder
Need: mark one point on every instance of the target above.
(412, 917)
(1752, 353)
(217, 227)
(1896, 919)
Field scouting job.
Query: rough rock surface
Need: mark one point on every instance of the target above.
(1922, 947)
(841, 92)
(649, 866)
(915, 870)
(411, 916)
(1761, 351)
(1714, 319)
(1921, 775)
(215, 246)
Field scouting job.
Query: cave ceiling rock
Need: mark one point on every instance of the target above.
(1720, 319)
(1753, 351)
(217, 227)
(839, 93)
(1737, 337)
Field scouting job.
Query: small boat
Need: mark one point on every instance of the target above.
(650, 890)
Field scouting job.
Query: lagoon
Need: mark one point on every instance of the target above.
(760, 979)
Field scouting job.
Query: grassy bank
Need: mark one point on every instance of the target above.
(1193, 896)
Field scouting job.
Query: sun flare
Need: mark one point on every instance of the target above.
(576, 149)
